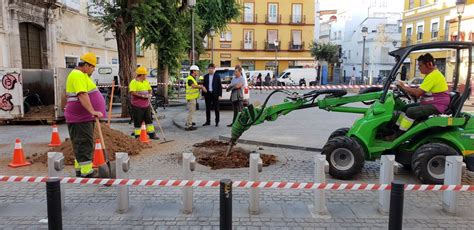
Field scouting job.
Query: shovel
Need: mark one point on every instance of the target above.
(105, 171)
(159, 125)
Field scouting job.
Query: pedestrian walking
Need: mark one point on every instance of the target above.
(141, 93)
(259, 81)
(213, 85)
(192, 94)
(236, 96)
(84, 103)
(353, 76)
(267, 79)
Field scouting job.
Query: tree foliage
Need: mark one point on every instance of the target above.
(325, 52)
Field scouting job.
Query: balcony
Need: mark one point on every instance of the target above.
(297, 19)
(293, 47)
(273, 19)
(249, 19)
(269, 46)
(248, 46)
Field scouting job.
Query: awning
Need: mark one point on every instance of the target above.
(297, 37)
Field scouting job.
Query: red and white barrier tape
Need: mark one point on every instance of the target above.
(276, 87)
(238, 184)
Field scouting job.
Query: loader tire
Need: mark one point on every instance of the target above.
(338, 133)
(428, 162)
(345, 156)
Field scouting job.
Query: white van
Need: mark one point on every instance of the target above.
(104, 74)
(226, 74)
(254, 74)
(297, 76)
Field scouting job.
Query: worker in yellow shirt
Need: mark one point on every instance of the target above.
(141, 92)
(433, 93)
(84, 103)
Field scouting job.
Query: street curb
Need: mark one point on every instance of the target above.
(274, 145)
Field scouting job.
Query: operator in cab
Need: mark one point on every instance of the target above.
(433, 94)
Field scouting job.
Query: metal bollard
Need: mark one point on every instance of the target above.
(255, 168)
(452, 176)
(55, 169)
(386, 177)
(122, 165)
(53, 202)
(395, 218)
(225, 207)
(189, 164)
(320, 177)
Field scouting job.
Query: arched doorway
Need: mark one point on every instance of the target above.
(33, 43)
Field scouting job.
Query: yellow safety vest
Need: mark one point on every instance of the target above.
(191, 93)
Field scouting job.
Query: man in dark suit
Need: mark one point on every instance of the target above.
(213, 85)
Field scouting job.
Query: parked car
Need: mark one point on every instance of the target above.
(297, 76)
(226, 74)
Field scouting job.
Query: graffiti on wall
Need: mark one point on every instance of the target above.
(6, 102)
(10, 85)
(9, 81)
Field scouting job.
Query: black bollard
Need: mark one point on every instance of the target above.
(395, 221)
(226, 204)
(53, 201)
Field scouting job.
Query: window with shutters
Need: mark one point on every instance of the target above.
(297, 15)
(248, 12)
(272, 36)
(248, 40)
(296, 40)
(272, 13)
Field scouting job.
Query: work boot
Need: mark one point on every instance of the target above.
(191, 128)
(94, 174)
(153, 136)
(206, 124)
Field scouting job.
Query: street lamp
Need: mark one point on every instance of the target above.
(460, 4)
(276, 43)
(364, 35)
(212, 32)
(192, 3)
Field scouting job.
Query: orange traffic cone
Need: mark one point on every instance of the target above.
(55, 139)
(99, 158)
(18, 156)
(144, 134)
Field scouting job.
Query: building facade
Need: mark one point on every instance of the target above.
(42, 34)
(435, 20)
(250, 41)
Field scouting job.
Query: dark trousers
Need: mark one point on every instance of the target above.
(212, 100)
(141, 115)
(82, 138)
(237, 107)
(419, 112)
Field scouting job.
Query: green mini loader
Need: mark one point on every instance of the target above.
(422, 148)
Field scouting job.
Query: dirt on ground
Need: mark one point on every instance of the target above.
(115, 141)
(41, 111)
(212, 153)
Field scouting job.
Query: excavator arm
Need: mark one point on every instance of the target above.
(333, 101)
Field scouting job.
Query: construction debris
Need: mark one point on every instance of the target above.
(212, 153)
(115, 141)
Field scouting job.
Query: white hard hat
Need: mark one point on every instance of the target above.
(194, 67)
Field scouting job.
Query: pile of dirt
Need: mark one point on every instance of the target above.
(115, 141)
(41, 111)
(212, 153)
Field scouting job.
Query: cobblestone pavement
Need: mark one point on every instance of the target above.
(23, 206)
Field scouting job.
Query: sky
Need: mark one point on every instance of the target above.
(361, 5)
